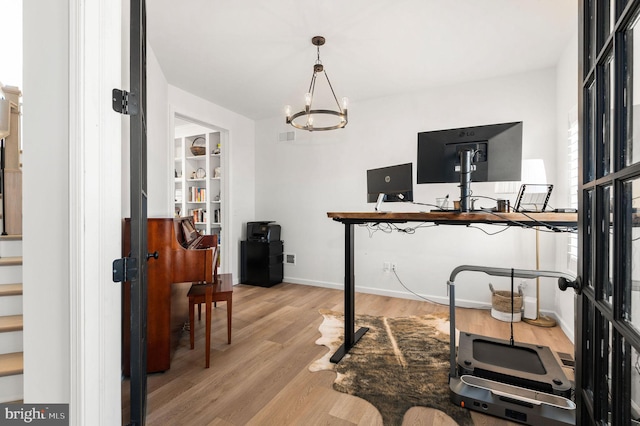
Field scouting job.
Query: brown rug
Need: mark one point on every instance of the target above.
(398, 364)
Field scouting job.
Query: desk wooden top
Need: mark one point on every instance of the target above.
(455, 217)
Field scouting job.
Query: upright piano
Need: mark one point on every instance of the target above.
(183, 256)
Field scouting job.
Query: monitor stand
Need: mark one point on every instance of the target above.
(381, 197)
(466, 167)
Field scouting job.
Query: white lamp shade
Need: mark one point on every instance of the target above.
(5, 117)
(509, 187)
(533, 172)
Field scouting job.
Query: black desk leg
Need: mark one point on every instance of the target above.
(350, 337)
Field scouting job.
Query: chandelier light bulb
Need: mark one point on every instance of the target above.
(287, 111)
(345, 103)
(307, 99)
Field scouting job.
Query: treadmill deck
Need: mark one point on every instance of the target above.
(525, 365)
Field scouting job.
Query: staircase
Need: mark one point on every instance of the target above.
(11, 363)
(11, 339)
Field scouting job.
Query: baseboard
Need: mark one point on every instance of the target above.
(460, 303)
(567, 329)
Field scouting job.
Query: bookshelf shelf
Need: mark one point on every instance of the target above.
(198, 178)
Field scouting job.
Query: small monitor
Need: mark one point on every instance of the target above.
(395, 183)
(496, 153)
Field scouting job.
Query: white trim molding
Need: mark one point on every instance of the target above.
(94, 211)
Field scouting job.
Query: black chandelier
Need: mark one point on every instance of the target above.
(307, 120)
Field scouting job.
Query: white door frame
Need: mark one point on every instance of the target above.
(95, 206)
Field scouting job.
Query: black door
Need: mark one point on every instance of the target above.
(138, 184)
(608, 311)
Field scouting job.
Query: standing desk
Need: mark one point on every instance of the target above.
(351, 336)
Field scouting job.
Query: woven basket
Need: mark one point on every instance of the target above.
(501, 300)
(198, 149)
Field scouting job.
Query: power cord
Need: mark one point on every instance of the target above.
(490, 233)
(388, 227)
(435, 302)
(547, 227)
(416, 294)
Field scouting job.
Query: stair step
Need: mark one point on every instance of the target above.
(11, 364)
(10, 289)
(10, 323)
(9, 261)
(11, 388)
(11, 342)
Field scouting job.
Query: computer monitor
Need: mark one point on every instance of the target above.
(489, 153)
(497, 154)
(390, 184)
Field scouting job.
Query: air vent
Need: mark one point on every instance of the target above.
(290, 259)
(287, 136)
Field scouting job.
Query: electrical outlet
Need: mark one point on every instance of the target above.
(394, 266)
(386, 266)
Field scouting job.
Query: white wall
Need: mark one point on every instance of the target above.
(567, 100)
(158, 133)
(240, 157)
(159, 156)
(46, 201)
(298, 182)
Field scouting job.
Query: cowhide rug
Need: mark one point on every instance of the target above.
(398, 364)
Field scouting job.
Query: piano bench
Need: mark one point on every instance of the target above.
(208, 293)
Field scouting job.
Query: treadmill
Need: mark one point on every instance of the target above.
(520, 382)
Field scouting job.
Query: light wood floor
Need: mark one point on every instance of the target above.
(262, 378)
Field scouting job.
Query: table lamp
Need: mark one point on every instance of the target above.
(533, 172)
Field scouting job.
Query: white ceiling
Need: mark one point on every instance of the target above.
(253, 57)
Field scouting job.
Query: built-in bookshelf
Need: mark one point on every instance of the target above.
(198, 175)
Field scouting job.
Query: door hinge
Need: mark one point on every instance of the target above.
(124, 269)
(124, 102)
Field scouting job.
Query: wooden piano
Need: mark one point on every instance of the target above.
(169, 278)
